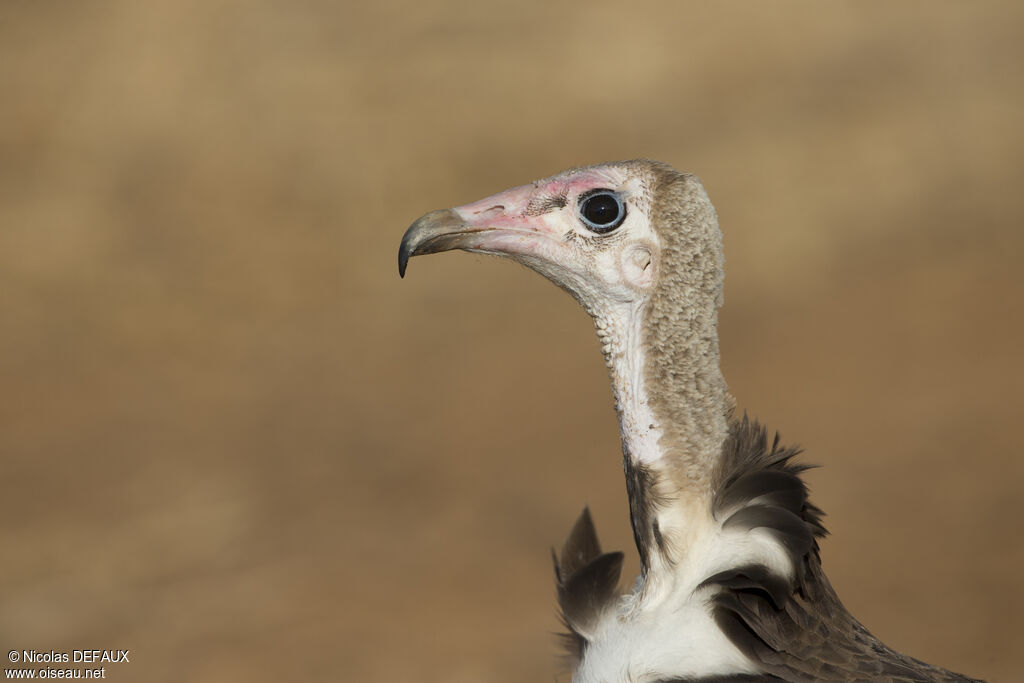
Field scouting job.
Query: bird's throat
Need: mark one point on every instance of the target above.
(621, 335)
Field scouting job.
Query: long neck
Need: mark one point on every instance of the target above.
(673, 407)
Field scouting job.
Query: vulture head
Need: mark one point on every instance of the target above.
(637, 244)
(603, 233)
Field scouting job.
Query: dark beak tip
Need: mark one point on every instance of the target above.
(403, 260)
(405, 251)
(430, 233)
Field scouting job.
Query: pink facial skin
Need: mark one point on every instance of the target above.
(525, 209)
(526, 222)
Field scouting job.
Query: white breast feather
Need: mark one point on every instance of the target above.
(664, 627)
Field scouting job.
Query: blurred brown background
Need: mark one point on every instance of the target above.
(233, 441)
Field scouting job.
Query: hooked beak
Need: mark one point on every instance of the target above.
(436, 231)
(501, 224)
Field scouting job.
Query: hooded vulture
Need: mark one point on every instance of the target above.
(731, 585)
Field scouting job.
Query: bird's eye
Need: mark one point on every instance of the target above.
(601, 211)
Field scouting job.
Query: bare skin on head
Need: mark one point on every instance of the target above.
(731, 585)
(656, 328)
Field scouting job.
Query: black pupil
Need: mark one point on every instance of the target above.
(601, 209)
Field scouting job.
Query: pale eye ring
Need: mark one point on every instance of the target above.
(601, 211)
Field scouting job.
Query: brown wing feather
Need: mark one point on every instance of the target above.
(795, 628)
(587, 581)
(798, 631)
